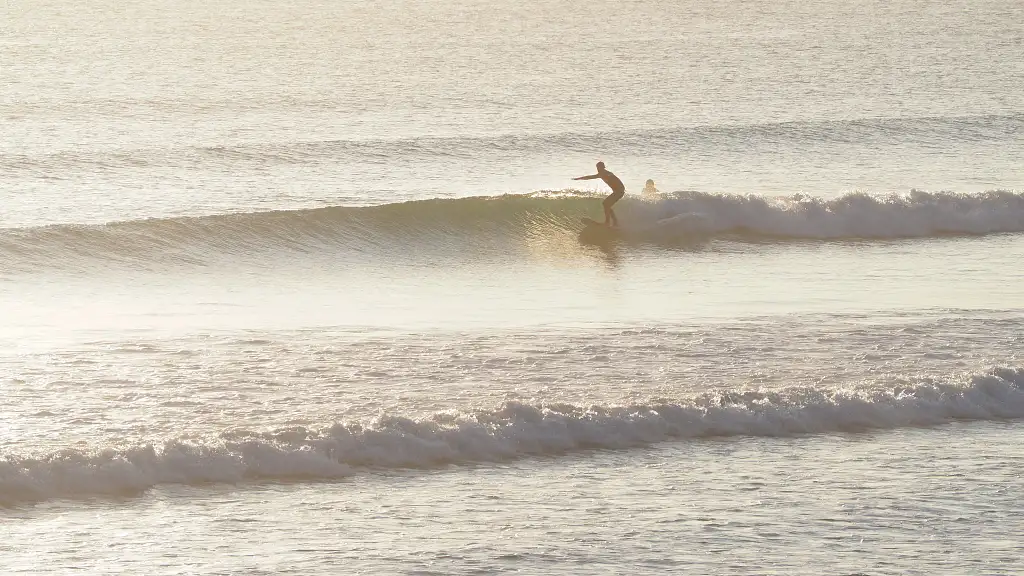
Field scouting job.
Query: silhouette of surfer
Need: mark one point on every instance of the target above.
(618, 191)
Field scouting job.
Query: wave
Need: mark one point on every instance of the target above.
(513, 431)
(851, 216)
(701, 139)
(451, 227)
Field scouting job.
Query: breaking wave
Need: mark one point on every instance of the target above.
(500, 222)
(513, 431)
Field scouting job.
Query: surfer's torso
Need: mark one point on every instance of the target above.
(612, 181)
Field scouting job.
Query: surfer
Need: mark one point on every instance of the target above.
(618, 191)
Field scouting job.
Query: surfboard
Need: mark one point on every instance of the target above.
(595, 232)
(687, 228)
(589, 222)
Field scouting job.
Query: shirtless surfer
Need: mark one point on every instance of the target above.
(618, 190)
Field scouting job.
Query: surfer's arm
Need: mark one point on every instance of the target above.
(591, 177)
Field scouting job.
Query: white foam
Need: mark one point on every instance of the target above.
(513, 431)
(855, 215)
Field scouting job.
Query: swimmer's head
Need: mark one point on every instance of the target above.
(650, 183)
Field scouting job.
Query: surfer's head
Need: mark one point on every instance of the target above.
(600, 166)
(650, 183)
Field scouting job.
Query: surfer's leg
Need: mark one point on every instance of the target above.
(609, 214)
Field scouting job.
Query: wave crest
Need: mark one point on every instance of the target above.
(851, 216)
(500, 223)
(512, 431)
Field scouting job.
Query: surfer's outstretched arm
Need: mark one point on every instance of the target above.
(591, 177)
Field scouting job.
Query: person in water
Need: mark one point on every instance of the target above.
(650, 190)
(618, 191)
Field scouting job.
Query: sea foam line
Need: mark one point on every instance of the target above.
(511, 432)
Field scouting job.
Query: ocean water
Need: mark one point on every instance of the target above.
(303, 289)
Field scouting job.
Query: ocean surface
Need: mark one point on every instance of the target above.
(302, 288)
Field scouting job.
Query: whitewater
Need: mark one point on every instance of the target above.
(514, 431)
(304, 289)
